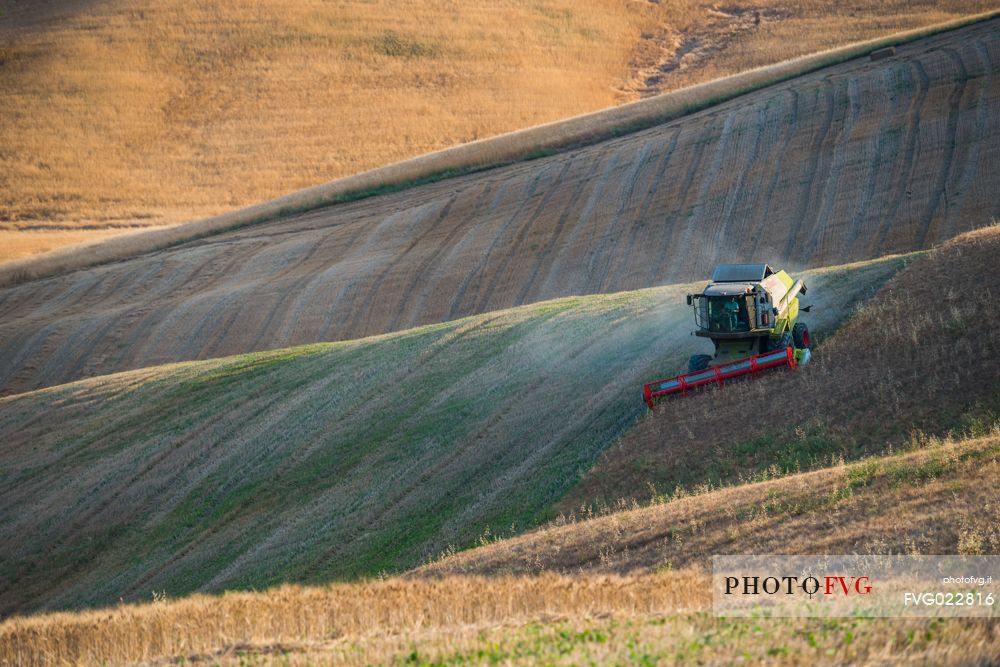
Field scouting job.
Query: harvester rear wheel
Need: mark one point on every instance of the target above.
(800, 336)
(699, 362)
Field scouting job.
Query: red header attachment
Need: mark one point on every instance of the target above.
(680, 384)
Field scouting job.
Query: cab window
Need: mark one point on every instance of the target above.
(726, 314)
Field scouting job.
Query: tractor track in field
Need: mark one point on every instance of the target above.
(346, 292)
(984, 72)
(600, 261)
(419, 274)
(556, 279)
(510, 278)
(363, 312)
(873, 153)
(876, 151)
(533, 205)
(474, 276)
(906, 166)
(283, 304)
(305, 295)
(827, 168)
(814, 156)
(835, 169)
(724, 228)
(672, 224)
(759, 219)
(643, 218)
(954, 103)
(821, 157)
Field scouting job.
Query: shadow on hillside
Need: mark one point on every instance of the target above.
(37, 15)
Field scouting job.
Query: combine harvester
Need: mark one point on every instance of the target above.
(750, 313)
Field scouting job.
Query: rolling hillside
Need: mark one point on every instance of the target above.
(912, 366)
(407, 428)
(123, 114)
(473, 352)
(939, 499)
(920, 357)
(630, 594)
(344, 459)
(334, 460)
(852, 162)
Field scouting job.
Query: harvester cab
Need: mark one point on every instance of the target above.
(750, 313)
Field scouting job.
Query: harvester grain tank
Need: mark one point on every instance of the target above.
(750, 313)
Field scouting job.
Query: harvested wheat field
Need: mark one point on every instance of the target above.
(346, 459)
(333, 460)
(630, 592)
(852, 162)
(395, 418)
(546, 620)
(120, 114)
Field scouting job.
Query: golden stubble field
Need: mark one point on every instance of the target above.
(128, 113)
(847, 163)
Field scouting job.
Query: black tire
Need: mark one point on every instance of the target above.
(699, 362)
(800, 336)
(781, 343)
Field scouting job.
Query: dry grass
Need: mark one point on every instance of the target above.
(918, 357)
(475, 620)
(141, 112)
(134, 112)
(655, 613)
(939, 499)
(26, 243)
(199, 623)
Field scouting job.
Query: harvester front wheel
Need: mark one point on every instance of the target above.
(783, 341)
(800, 336)
(699, 362)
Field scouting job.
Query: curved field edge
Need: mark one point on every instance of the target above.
(937, 496)
(333, 460)
(468, 158)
